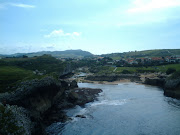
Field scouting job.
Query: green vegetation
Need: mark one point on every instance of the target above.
(41, 63)
(170, 71)
(8, 122)
(15, 70)
(162, 68)
(11, 75)
(146, 53)
(57, 54)
(175, 75)
(126, 72)
(121, 70)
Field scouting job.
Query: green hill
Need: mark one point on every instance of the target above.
(57, 54)
(15, 70)
(145, 53)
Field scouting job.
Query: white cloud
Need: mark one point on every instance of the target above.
(20, 5)
(149, 5)
(61, 33)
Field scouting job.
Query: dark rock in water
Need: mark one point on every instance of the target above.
(82, 96)
(172, 84)
(155, 81)
(37, 96)
(46, 98)
(171, 93)
(172, 88)
(81, 116)
(64, 84)
(73, 84)
(73, 96)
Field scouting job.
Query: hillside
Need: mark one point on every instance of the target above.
(57, 54)
(145, 53)
(81, 54)
(16, 70)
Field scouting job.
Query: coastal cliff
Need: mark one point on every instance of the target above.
(171, 86)
(38, 103)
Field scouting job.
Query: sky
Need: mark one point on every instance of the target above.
(97, 26)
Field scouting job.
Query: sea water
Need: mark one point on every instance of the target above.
(123, 109)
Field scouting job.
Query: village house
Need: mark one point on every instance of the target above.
(157, 59)
(171, 59)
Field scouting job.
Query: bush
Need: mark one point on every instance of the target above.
(126, 72)
(175, 75)
(145, 71)
(170, 71)
(14, 120)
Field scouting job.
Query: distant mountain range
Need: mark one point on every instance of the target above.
(57, 54)
(81, 54)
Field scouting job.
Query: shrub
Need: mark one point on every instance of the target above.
(170, 71)
(126, 72)
(175, 75)
(14, 120)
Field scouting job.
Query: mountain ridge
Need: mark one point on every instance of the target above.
(67, 54)
(80, 54)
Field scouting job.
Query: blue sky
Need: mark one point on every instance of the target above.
(98, 26)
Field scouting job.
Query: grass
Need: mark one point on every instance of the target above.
(149, 53)
(162, 69)
(11, 75)
(15, 70)
(41, 63)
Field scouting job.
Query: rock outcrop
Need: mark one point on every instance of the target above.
(155, 81)
(45, 99)
(81, 96)
(36, 95)
(72, 97)
(172, 88)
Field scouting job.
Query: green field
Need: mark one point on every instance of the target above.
(162, 69)
(145, 53)
(10, 75)
(15, 70)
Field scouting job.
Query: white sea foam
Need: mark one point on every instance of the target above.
(109, 102)
(83, 111)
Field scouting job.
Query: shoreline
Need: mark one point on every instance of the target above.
(171, 87)
(106, 82)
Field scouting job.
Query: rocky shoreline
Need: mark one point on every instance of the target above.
(41, 103)
(171, 87)
(38, 103)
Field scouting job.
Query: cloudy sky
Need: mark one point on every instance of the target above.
(98, 26)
